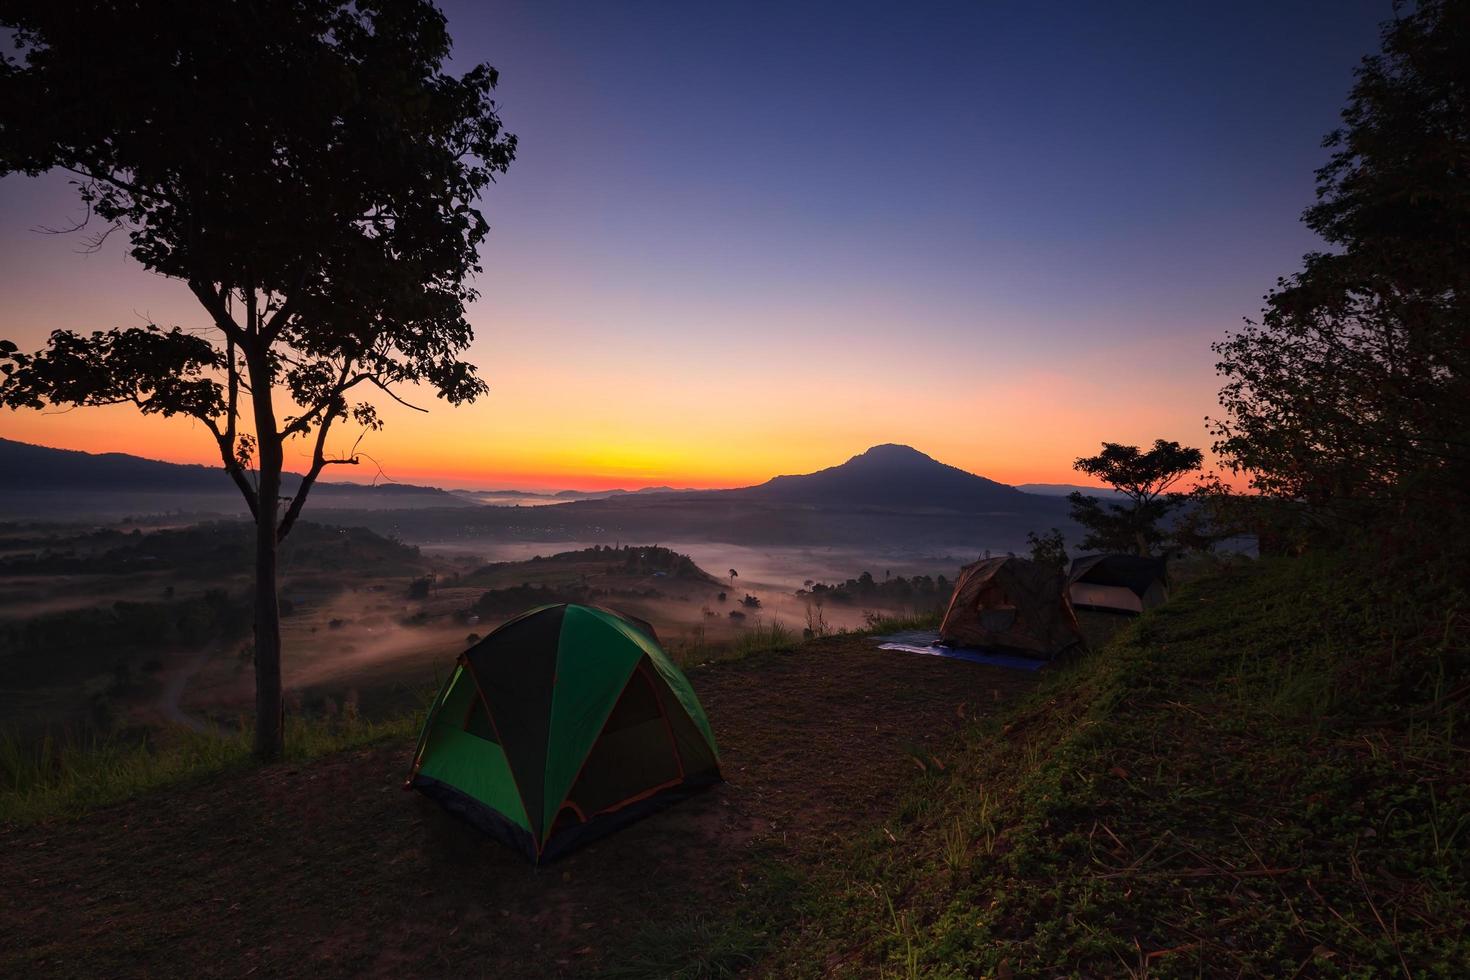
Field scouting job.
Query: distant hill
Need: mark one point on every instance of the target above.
(601, 494)
(533, 498)
(890, 477)
(27, 467)
(39, 479)
(890, 496)
(1063, 489)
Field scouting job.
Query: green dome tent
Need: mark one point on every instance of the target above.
(562, 725)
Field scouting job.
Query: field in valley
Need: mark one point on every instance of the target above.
(137, 627)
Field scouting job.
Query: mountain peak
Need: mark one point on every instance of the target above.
(890, 476)
(892, 452)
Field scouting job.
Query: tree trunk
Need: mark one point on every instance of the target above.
(269, 736)
(269, 716)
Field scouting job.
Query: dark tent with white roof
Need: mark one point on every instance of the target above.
(1118, 583)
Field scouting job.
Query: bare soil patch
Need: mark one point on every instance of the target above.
(329, 869)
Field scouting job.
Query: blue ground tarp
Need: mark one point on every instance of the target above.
(914, 641)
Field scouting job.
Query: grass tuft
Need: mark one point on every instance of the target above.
(692, 947)
(880, 624)
(55, 777)
(770, 637)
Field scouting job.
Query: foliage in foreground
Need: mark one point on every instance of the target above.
(1349, 394)
(1265, 777)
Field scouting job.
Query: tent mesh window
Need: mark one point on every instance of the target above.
(477, 721)
(633, 756)
(638, 705)
(997, 612)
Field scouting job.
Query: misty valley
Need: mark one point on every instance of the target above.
(146, 624)
(112, 621)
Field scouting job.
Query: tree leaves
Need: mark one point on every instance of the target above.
(308, 168)
(1351, 394)
(1145, 478)
(311, 173)
(161, 372)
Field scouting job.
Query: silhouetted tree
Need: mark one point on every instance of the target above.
(733, 576)
(1048, 549)
(311, 173)
(1145, 478)
(1351, 395)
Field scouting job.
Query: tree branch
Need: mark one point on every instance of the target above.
(318, 463)
(215, 305)
(232, 387)
(277, 321)
(327, 409)
(224, 439)
(232, 467)
(299, 425)
(389, 392)
(252, 317)
(126, 185)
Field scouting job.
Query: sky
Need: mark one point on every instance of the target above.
(748, 239)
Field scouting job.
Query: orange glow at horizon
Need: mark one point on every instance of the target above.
(1027, 429)
(629, 387)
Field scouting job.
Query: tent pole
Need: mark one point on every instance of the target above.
(423, 742)
(664, 714)
(490, 713)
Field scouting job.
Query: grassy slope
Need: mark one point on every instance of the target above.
(1265, 777)
(58, 778)
(1262, 778)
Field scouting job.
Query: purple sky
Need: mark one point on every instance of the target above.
(743, 239)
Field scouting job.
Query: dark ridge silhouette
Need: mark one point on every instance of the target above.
(595, 494)
(889, 495)
(1063, 489)
(886, 477)
(890, 477)
(29, 468)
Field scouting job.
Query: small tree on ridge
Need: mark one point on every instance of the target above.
(1145, 478)
(1049, 549)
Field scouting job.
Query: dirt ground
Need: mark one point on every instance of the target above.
(330, 869)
